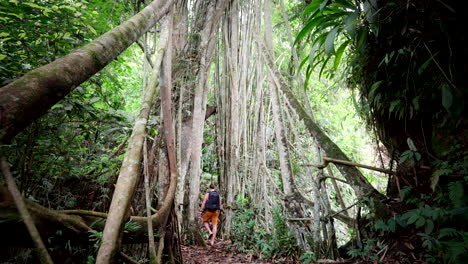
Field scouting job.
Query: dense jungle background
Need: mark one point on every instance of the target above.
(335, 131)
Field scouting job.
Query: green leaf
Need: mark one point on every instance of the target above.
(339, 53)
(374, 88)
(350, 23)
(329, 42)
(361, 40)
(394, 104)
(34, 5)
(19, 16)
(312, 7)
(425, 64)
(92, 29)
(447, 97)
(312, 54)
(434, 180)
(308, 27)
(416, 103)
(429, 226)
(392, 225)
(456, 193)
(420, 222)
(323, 4)
(303, 62)
(447, 232)
(324, 64)
(413, 219)
(2, 56)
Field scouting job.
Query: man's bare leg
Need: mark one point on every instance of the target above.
(213, 237)
(207, 226)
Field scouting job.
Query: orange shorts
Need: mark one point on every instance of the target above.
(213, 216)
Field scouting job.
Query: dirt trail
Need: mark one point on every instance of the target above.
(222, 252)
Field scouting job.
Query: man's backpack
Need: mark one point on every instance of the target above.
(212, 204)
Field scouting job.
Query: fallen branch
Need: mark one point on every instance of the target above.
(334, 178)
(349, 163)
(28, 221)
(328, 160)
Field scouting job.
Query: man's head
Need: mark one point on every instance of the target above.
(212, 186)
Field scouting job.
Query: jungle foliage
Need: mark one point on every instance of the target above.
(407, 61)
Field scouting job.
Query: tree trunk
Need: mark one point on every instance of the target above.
(206, 47)
(358, 182)
(231, 31)
(131, 165)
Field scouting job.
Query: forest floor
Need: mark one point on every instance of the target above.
(223, 252)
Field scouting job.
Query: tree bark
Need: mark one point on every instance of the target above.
(130, 167)
(358, 182)
(27, 98)
(206, 47)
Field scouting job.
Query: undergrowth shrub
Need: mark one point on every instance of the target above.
(251, 236)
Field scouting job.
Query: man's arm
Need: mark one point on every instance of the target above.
(204, 201)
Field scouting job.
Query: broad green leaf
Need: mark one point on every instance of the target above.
(2, 56)
(447, 97)
(429, 226)
(323, 4)
(312, 7)
(421, 221)
(413, 219)
(308, 27)
(312, 54)
(4, 34)
(329, 42)
(361, 41)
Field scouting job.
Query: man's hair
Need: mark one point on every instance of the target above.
(212, 186)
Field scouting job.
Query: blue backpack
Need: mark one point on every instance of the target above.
(212, 204)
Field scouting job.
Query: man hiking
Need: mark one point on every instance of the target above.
(210, 209)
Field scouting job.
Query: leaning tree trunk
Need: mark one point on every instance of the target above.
(130, 170)
(357, 181)
(27, 98)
